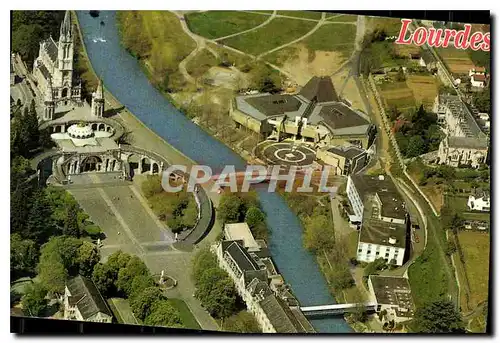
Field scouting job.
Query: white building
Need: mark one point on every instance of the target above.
(380, 212)
(479, 200)
(54, 66)
(258, 284)
(393, 295)
(83, 301)
(478, 80)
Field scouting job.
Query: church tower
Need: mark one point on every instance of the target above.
(48, 103)
(98, 101)
(64, 71)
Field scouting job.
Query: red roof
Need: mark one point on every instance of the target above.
(478, 77)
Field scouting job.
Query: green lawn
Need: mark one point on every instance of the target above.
(278, 32)
(343, 18)
(457, 202)
(477, 216)
(122, 311)
(302, 14)
(476, 248)
(327, 36)
(215, 24)
(187, 317)
(427, 278)
(201, 63)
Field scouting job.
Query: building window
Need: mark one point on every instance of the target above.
(369, 252)
(359, 250)
(377, 253)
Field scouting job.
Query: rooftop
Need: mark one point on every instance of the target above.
(393, 291)
(87, 298)
(468, 142)
(281, 316)
(393, 205)
(320, 89)
(480, 193)
(241, 231)
(459, 109)
(51, 48)
(339, 116)
(240, 255)
(348, 152)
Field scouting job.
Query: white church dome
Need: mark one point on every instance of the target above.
(80, 131)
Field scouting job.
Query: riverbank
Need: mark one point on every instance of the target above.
(127, 81)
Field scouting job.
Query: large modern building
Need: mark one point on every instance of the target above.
(345, 160)
(380, 213)
(465, 143)
(316, 115)
(83, 301)
(392, 294)
(249, 265)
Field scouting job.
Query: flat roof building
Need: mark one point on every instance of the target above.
(392, 294)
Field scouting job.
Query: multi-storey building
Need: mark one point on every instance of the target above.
(381, 216)
(257, 282)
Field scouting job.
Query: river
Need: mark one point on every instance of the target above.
(123, 77)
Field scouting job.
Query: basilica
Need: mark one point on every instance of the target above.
(86, 140)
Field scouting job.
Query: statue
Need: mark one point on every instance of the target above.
(161, 278)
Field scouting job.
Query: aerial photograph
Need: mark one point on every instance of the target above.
(249, 172)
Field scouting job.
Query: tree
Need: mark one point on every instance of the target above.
(52, 275)
(416, 147)
(164, 314)
(116, 261)
(87, 257)
(33, 301)
(375, 266)
(140, 283)
(216, 292)
(142, 303)
(400, 77)
(135, 267)
(203, 260)
(242, 322)
(71, 225)
(104, 278)
(254, 217)
(438, 317)
(229, 208)
(40, 225)
(318, 234)
(23, 256)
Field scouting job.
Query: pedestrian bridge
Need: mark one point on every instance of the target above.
(336, 309)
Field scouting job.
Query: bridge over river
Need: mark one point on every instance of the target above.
(123, 76)
(336, 309)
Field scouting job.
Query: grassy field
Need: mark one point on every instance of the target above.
(457, 61)
(398, 94)
(201, 63)
(216, 24)
(302, 14)
(457, 202)
(425, 89)
(121, 310)
(186, 316)
(342, 18)
(157, 38)
(404, 50)
(238, 60)
(476, 249)
(327, 36)
(391, 26)
(427, 278)
(278, 32)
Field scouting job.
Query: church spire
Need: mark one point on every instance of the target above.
(100, 91)
(97, 106)
(66, 25)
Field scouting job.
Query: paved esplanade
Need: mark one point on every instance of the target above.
(123, 77)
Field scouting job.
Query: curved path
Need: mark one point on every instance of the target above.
(271, 17)
(314, 29)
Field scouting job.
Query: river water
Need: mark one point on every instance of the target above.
(124, 78)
